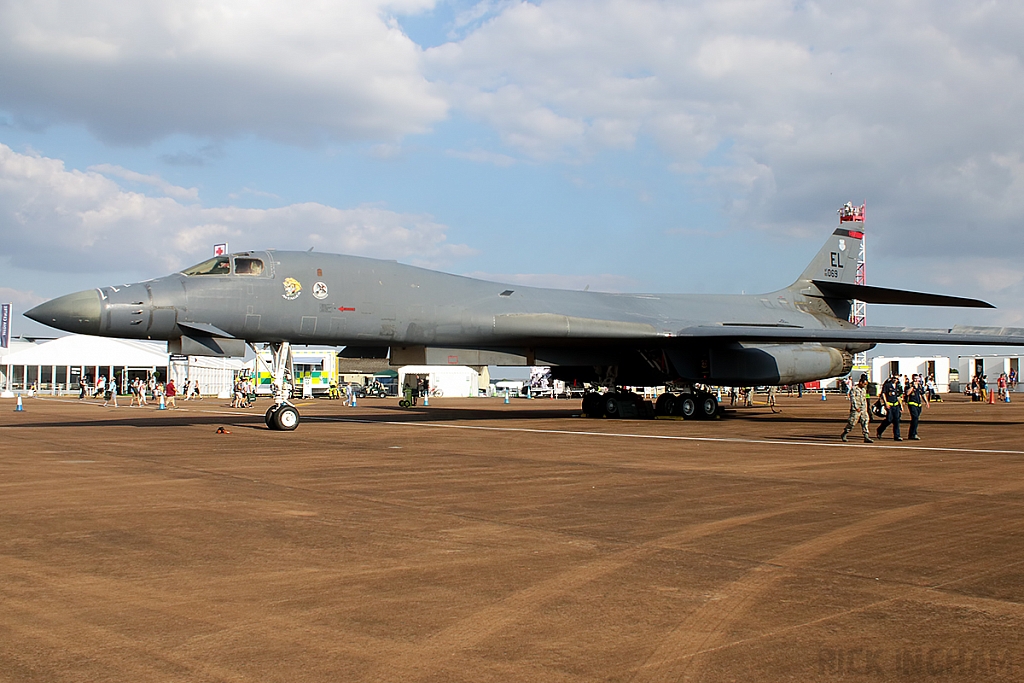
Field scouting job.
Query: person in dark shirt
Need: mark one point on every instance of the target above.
(916, 399)
(892, 397)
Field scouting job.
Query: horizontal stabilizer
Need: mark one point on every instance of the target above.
(884, 295)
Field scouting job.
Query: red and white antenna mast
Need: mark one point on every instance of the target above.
(859, 313)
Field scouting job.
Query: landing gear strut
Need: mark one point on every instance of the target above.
(282, 416)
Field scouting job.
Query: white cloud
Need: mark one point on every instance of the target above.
(54, 219)
(22, 300)
(294, 72)
(482, 156)
(777, 110)
(169, 189)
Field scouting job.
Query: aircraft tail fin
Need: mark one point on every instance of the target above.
(832, 275)
(837, 260)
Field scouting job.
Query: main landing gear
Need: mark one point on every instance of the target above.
(282, 416)
(695, 405)
(626, 404)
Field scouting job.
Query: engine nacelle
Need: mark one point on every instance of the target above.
(773, 364)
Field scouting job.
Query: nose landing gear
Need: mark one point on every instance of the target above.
(282, 416)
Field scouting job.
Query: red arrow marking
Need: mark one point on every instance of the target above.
(345, 308)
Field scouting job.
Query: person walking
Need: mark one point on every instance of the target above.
(111, 393)
(170, 391)
(236, 396)
(858, 409)
(916, 398)
(892, 397)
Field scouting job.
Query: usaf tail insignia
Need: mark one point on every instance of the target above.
(292, 288)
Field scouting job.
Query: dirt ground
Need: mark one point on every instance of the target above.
(474, 541)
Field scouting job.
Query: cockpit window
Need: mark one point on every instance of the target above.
(218, 265)
(248, 266)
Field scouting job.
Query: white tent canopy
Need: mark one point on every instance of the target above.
(86, 350)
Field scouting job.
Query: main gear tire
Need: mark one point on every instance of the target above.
(708, 406)
(687, 407)
(610, 403)
(666, 405)
(592, 405)
(286, 418)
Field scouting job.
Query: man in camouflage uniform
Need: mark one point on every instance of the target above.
(858, 409)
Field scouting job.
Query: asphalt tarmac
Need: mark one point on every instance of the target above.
(474, 541)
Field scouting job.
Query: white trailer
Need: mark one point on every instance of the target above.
(882, 367)
(990, 366)
(445, 380)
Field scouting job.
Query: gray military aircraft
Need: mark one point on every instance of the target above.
(412, 315)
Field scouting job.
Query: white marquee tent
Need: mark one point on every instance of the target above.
(58, 365)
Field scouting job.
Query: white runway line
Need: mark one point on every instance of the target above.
(666, 437)
(620, 435)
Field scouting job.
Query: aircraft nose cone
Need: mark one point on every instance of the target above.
(79, 312)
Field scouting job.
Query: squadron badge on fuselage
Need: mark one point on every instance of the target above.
(319, 290)
(292, 288)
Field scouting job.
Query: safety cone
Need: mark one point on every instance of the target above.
(506, 397)
(992, 398)
(353, 404)
(823, 395)
(162, 405)
(426, 400)
(19, 408)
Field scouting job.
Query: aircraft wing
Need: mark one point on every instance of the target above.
(586, 331)
(958, 335)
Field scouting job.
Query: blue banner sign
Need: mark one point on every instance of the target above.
(5, 325)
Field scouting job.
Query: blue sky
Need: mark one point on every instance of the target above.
(628, 146)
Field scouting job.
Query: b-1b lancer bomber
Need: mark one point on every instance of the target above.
(411, 315)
